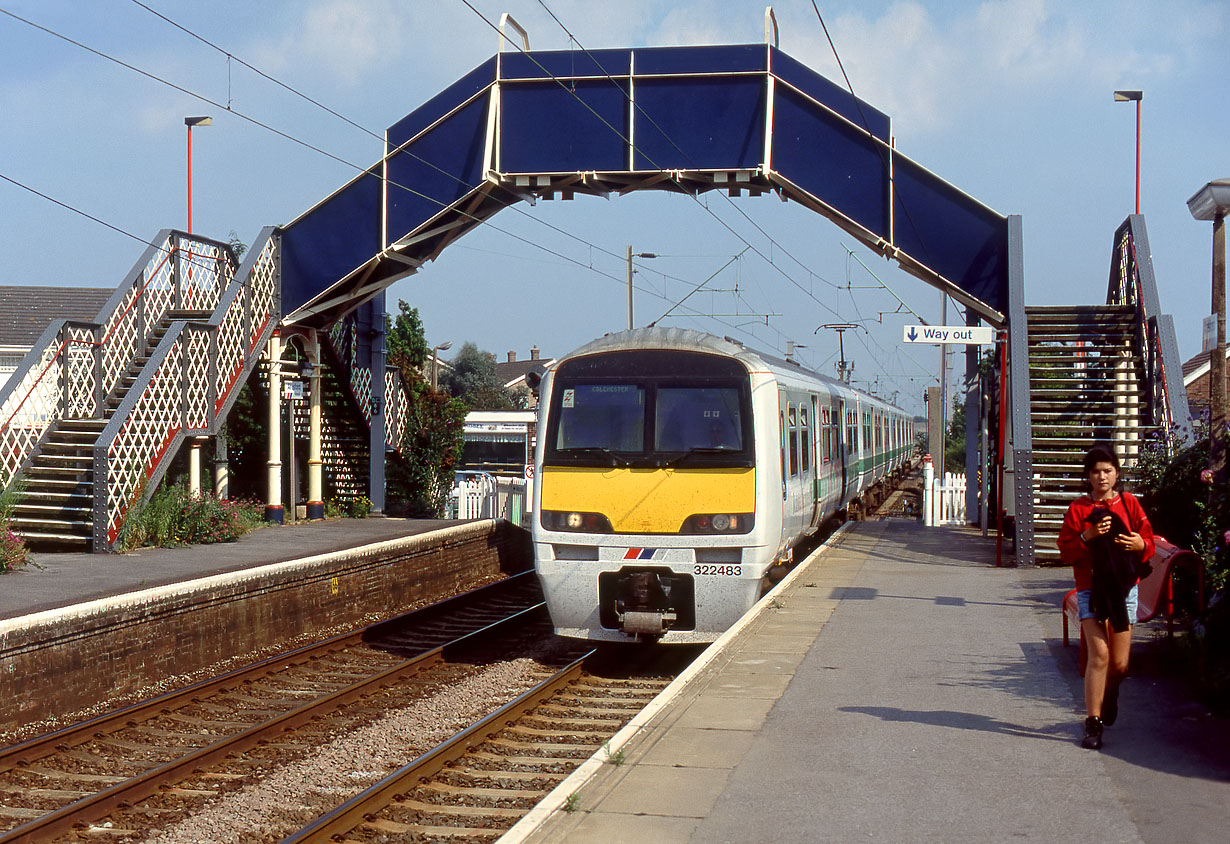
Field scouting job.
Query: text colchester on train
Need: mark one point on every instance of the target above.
(675, 468)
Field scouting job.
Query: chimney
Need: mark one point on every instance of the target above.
(512, 357)
(534, 352)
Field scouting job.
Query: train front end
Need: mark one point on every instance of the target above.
(646, 524)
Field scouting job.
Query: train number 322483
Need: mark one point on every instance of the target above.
(710, 568)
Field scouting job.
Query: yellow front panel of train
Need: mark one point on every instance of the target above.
(648, 500)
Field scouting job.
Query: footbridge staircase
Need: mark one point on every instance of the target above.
(95, 411)
(1105, 374)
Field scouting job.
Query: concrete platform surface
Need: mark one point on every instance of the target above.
(51, 581)
(900, 688)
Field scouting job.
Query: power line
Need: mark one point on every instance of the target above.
(303, 143)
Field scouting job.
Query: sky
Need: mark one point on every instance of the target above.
(1008, 100)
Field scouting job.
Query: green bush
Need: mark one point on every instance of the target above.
(173, 516)
(1187, 507)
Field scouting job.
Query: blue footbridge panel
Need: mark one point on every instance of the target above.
(549, 125)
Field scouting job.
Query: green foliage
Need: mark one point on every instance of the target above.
(473, 379)
(954, 437)
(348, 508)
(405, 338)
(173, 516)
(418, 482)
(1189, 509)
(433, 438)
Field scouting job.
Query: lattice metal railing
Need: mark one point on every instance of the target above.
(187, 386)
(343, 335)
(1132, 283)
(74, 367)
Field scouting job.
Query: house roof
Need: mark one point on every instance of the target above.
(26, 310)
(512, 373)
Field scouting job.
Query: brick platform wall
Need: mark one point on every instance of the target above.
(65, 660)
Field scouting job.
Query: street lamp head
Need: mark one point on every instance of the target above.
(198, 121)
(1129, 96)
(444, 347)
(1211, 201)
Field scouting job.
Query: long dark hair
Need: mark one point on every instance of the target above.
(1101, 454)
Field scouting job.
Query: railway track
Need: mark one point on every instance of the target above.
(479, 783)
(150, 764)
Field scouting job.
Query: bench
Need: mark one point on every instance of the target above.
(1155, 595)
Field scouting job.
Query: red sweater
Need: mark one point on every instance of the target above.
(1073, 550)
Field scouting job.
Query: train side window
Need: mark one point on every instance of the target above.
(792, 427)
(781, 417)
(826, 435)
(805, 439)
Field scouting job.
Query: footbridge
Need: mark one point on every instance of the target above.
(90, 422)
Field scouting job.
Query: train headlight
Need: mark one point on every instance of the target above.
(576, 522)
(714, 523)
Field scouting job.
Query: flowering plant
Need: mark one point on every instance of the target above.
(13, 551)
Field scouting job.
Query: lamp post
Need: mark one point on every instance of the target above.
(1212, 202)
(630, 271)
(190, 122)
(435, 356)
(1136, 97)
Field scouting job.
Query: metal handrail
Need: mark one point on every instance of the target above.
(1133, 283)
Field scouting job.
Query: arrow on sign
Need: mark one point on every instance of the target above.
(913, 335)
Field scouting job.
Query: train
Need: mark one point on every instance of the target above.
(674, 469)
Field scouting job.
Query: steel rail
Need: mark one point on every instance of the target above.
(356, 810)
(40, 746)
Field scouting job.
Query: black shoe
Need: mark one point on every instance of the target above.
(1110, 706)
(1093, 733)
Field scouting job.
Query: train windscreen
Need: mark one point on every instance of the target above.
(650, 408)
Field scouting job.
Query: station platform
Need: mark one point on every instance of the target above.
(897, 687)
(56, 580)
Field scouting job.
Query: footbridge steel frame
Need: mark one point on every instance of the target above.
(747, 119)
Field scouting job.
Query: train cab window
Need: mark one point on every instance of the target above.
(608, 417)
(793, 441)
(698, 419)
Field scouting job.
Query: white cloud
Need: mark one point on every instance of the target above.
(344, 39)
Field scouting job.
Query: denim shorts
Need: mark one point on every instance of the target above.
(1082, 604)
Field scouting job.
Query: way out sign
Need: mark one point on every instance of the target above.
(976, 335)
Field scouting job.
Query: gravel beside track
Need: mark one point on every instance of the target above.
(297, 792)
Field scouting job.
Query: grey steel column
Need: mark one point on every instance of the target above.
(973, 412)
(373, 310)
(1018, 376)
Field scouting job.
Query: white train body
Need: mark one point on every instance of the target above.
(674, 468)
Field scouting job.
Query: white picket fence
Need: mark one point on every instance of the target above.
(943, 500)
(488, 497)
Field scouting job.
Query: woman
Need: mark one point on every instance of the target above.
(1105, 536)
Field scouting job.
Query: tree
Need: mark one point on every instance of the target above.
(405, 338)
(474, 381)
(433, 434)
